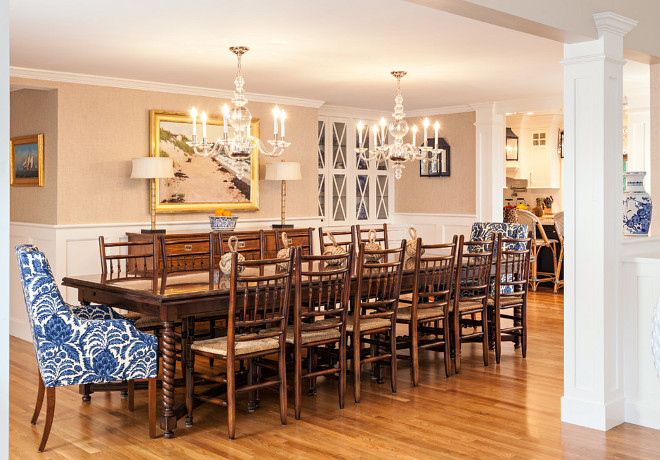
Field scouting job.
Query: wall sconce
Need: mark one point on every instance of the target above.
(511, 145)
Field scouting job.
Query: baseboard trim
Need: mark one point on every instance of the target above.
(592, 415)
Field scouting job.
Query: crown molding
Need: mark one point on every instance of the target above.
(96, 80)
(613, 23)
(439, 111)
(351, 112)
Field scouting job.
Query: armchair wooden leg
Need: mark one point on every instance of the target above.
(393, 373)
(131, 395)
(231, 398)
(445, 332)
(85, 390)
(297, 376)
(414, 352)
(357, 366)
(342, 371)
(50, 412)
(40, 400)
(152, 407)
(484, 329)
(282, 376)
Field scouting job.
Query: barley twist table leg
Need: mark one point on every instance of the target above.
(168, 419)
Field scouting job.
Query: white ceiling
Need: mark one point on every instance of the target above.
(338, 51)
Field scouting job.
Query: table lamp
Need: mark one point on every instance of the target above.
(152, 168)
(283, 171)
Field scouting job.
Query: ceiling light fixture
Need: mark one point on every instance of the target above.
(397, 151)
(240, 145)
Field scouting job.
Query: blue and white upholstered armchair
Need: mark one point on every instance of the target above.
(80, 345)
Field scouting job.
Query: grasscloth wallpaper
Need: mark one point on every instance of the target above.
(442, 195)
(93, 132)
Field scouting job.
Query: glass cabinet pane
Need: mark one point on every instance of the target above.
(339, 145)
(382, 196)
(321, 144)
(339, 197)
(321, 195)
(362, 197)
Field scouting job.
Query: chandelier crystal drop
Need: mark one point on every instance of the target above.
(240, 144)
(397, 151)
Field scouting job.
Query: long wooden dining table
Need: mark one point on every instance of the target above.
(184, 295)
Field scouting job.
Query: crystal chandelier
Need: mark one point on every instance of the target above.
(397, 152)
(240, 145)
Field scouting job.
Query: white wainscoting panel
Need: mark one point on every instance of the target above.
(640, 291)
(74, 250)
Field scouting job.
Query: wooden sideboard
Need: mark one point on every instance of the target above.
(202, 241)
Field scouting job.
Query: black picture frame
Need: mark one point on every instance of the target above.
(439, 166)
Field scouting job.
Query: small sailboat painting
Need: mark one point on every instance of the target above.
(26, 164)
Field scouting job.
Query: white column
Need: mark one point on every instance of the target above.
(593, 377)
(490, 162)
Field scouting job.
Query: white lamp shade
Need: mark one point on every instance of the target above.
(289, 170)
(152, 168)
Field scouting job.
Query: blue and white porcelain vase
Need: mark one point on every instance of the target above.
(637, 205)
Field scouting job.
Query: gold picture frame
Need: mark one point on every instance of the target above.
(201, 184)
(26, 161)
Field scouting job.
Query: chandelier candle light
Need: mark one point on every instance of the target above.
(241, 143)
(397, 152)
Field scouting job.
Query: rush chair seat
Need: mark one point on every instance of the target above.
(536, 228)
(74, 351)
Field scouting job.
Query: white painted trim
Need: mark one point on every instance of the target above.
(336, 111)
(97, 80)
(439, 111)
(590, 414)
(437, 216)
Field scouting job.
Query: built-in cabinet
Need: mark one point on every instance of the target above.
(539, 160)
(350, 189)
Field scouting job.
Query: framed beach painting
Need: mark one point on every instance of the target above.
(200, 184)
(26, 161)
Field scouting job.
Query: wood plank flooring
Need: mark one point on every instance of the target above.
(510, 410)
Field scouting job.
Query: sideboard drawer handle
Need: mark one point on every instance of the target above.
(289, 241)
(187, 247)
(241, 244)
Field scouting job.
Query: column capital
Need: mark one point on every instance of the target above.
(613, 23)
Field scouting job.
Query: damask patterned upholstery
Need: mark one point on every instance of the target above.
(79, 345)
(483, 231)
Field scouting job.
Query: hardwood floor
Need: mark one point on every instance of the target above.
(510, 410)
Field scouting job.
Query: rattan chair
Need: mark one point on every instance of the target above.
(533, 222)
(559, 228)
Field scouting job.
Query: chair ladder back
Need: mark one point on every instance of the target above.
(326, 293)
(344, 238)
(128, 259)
(379, 282)
(434, 274)
(512, 266)
(362, 235)
(258, 300)
(473, 269)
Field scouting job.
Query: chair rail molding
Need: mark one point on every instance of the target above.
(74, 250)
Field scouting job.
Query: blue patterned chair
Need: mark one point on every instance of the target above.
(80, 345)
(484, 231)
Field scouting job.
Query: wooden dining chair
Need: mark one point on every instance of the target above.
(428, 316)
(257, 325)
(319, 318)
(375, 304)
(508, 300)
(362, 235)
(559, 228)
(472, 281)
(344, 238)
(534, 224)
(301, 237)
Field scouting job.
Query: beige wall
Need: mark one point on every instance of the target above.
(442, 195)
(35, 112)
(101, 129)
